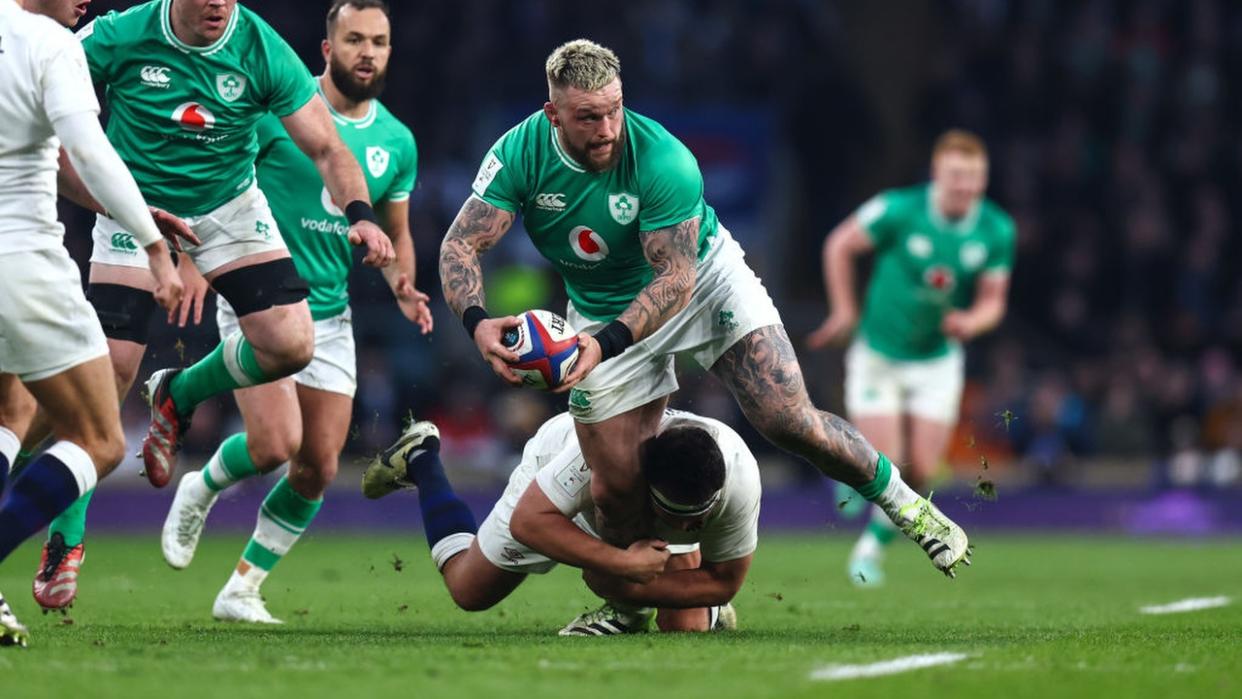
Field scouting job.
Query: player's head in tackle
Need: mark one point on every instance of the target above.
(959, 172)
(584, 103)
(685, 475)
(67, 12)
(357, 46)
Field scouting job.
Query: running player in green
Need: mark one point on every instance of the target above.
(187, 82)
(942, 258)
(304, 419)
(615, 202)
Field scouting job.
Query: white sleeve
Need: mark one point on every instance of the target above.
(65, 80)
(566, 480)
(107, 178)
(734, 533)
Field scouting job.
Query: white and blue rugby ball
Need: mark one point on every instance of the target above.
(546, 347)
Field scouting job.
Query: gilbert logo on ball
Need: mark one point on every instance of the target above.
(546, 347)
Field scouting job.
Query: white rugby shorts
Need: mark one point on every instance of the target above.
(877, 386)
(729, 303)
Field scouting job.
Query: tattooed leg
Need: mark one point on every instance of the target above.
(762, 372)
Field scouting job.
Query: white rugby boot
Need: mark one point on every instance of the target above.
(943, 541)
(387, 472)
(12, 633)
(186, 518)
(607, 620)
(235, 603)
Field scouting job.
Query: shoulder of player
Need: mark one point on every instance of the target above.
(652, 142)
(124, 27)
(396, 128)
(915, 194)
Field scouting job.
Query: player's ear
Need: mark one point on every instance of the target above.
(549, 110)
(325, 47)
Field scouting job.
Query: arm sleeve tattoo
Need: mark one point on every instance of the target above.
(673, 254)
(477, 228)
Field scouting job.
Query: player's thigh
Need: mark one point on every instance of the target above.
(611, 448)
(273, 421)
(475, 583)
(17, 405)
(762, 372)
(325, 427)
(278, 327)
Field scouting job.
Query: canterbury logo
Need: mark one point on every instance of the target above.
(155, 75)
(123, 241)
(552, 202)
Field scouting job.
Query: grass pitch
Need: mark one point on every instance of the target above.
(367, 617)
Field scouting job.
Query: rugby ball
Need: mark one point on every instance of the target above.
(546, 347)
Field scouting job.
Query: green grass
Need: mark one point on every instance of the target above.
(1039, 617)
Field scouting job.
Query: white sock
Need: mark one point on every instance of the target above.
(251, 580)
(79, 463)
(450, 546)
(896, 496)
(10, 445)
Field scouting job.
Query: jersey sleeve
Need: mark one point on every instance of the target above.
(878, 218)
(98, 39)
(501, 181)
(289, 83)
(407, 173)
(566, 480)
(671, 188)
(1001, 253)
(65, 78)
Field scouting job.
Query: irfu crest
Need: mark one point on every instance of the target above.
(623, 207)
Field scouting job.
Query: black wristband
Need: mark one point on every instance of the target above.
(471, 318)
(613, 339)
(359, 210)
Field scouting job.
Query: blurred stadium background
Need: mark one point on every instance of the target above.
(1111, 398)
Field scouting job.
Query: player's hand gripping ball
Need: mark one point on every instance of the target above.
(546, 347)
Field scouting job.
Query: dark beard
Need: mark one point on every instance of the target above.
(349, 86)
(583, 158)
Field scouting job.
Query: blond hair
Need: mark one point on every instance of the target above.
(582, 64)
(959, 141)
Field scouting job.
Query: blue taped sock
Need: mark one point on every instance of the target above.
(443, 512)
(43, 490)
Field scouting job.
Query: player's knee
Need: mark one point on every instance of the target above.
(682, 620)
(471, 601)
(311, 477)
(272, 449)
(786, 428)
(107, 449)
(294, 353)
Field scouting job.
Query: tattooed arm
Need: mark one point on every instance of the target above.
(673, 254)
(477, 228)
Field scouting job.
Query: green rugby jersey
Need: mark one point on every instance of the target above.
(925, 266)
(587, 223)
(313, 226)
(183, 117)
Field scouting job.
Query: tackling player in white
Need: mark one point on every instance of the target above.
(52, 341)
(700, 524)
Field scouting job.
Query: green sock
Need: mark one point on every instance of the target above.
(883, 474)
(231, 365)
(282, 519)
(230, 463)
(71, 524)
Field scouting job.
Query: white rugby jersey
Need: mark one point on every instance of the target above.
(731, 531)
(43, 77)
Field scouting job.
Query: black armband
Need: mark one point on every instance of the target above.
(471, 318)
(613, 339)
(358, 210)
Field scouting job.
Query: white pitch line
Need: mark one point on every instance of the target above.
(1192, 604)
(833, 673)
